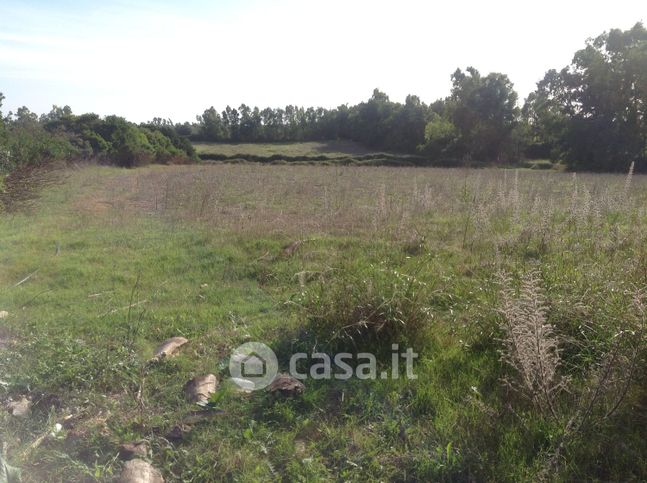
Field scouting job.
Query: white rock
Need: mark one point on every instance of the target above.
(139, 471)
(21, 408)
(200, 388)
(169, 347)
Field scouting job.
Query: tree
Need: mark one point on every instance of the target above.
(484, 112)
(56, 114)
(211, 126)
(4, 152)
(407, 125)
(231, 120)
(369, 120)
(593, 113)
(3, 132)
(25, 117)
(441, 139)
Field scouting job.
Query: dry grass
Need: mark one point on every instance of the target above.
(532, 348)
(303, 201)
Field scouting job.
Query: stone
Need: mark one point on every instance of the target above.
(20, 408)
(169, 347)
(286, 385)
(200, 388)
(139, 471)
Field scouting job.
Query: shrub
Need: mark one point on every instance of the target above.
(31, 145)
(131, 148)
(365, 308)
(162, 146)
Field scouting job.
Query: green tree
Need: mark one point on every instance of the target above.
(407, 125)
(593, 113)
(441, 139)
(211, 126)
(484, 112)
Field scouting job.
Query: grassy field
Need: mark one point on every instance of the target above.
(328, 148)
(521, 291)
(325, 152)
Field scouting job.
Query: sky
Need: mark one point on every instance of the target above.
(175, 58)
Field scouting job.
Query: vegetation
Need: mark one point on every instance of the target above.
(521, 291)
(338, 152)
(27, 140)
(590, 116)
(592, 113)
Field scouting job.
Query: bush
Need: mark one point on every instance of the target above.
(162, 146)
(365, 308)
(31, 145)
(131, 148)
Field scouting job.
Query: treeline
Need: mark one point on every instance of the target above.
(29, 140)
(590, 115)
(474, 123)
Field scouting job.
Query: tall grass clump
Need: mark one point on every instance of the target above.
(531, 344)
(364, 308)
(571, 406)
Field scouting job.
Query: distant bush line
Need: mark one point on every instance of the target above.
(588, 116)
(27, 140)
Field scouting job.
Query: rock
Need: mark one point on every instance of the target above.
(21, 408)
(4, 314)
(286, 385)
(58, 427)
(139, 471)
(169, 347)
(200, 388)
(138, 449)
(299, 448)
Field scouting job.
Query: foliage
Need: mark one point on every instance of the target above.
(592, 113)
(364, 308)
(441, 137)
(28, 143)
(477, 120)
(29, 140)
(378, 123)
(531, 345)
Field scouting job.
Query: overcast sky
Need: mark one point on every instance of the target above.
(174, 58)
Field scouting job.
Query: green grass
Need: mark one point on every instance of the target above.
(122, 260)
(327, 148)
(323, 153)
